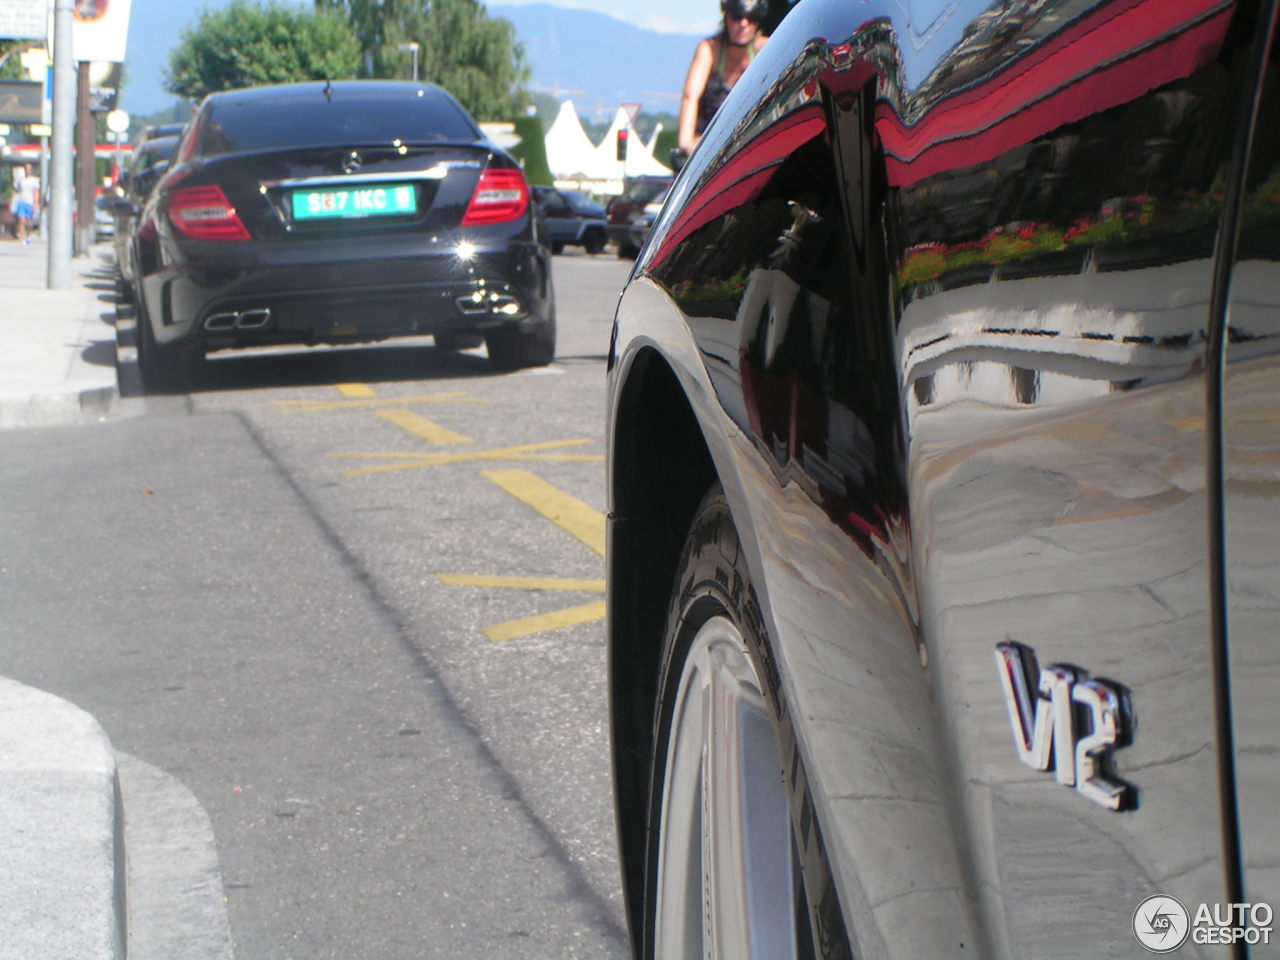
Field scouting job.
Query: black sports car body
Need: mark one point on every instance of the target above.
(944, 566)
(343, 212)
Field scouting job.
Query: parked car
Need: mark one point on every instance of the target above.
(157, 131)
(943, 465)
(339, 213)
(573, 219)
(622, 211)
(150, 160)
(104, 218)
(643, 222)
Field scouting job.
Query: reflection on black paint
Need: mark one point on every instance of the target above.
(789, 232)
(782, 267)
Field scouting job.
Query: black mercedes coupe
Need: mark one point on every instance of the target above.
(944, 472)
(339, 213)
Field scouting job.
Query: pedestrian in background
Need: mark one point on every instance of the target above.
(28, 196)
(717, 64)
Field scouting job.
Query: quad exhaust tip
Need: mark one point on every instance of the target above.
(248, 320)
(481, 302)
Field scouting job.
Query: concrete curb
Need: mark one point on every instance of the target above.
(177, 908)
(69, 403)
(62, 865)
(57, 362)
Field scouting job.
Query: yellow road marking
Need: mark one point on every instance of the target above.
(355, 390)
(522, 583)
(420, 426)
(313, 406)
(568, 513)
(417, 461)
(512, 629)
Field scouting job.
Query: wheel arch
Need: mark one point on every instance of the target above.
(660, 469)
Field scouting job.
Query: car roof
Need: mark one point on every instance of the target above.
(158, 144)
(344, 89)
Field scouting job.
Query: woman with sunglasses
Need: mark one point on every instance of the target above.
(717, 64)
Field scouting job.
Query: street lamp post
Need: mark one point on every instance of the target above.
(405, 48)
(59, 186)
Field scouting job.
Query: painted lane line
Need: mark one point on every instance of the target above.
(527, 626)
(523, 452)
(355, 390)
(469, 455)
(422, 463)
(522, 583)
(568, 513)
(319, 406)
(420, 426)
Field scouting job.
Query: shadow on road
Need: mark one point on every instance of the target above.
(322, 366)
(100, 353)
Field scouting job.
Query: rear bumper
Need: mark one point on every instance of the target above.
(251, 298)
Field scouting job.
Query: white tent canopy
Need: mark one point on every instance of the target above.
(570, 152)
(575, 162)
(639, 162)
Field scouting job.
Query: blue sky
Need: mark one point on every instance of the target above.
(669, 16)
(156, 25)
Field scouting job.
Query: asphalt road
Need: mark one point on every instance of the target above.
(351, 598)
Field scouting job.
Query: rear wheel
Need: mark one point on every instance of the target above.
(511, 348)
(161, 368)
(728, 876)
(557, 246)
(594, 241)
(628, 251)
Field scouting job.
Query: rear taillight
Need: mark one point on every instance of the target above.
(501, 195)
(204, 213)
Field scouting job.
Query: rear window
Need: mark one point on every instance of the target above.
(346, 118)
(155, 151)
(581, 203)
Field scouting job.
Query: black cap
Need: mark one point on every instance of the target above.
(753, 10)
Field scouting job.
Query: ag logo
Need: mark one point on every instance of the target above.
(1068, 722)
(1161, 924)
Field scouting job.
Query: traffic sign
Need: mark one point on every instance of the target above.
(24, 19)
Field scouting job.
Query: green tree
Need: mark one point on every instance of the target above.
(460, 47)
(532, 151)
(251, 44)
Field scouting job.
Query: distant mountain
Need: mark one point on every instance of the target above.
(612, 61)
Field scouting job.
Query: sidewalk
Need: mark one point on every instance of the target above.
(57, 347)
(102, 856)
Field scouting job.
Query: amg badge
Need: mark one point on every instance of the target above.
(1065, 721)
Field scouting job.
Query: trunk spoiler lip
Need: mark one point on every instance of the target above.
(437, 172)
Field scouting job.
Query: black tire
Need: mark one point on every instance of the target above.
(557, 246)
(164, 370)
(594, 241)
(511, 348)
(458, 341)
(714, 584)
(628, 251)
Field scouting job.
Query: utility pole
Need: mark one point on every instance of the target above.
(86, 163)
(407, 47)
(59, 184)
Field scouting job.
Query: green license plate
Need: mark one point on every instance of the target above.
(391, 200)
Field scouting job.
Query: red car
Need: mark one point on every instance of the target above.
(623, 210)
